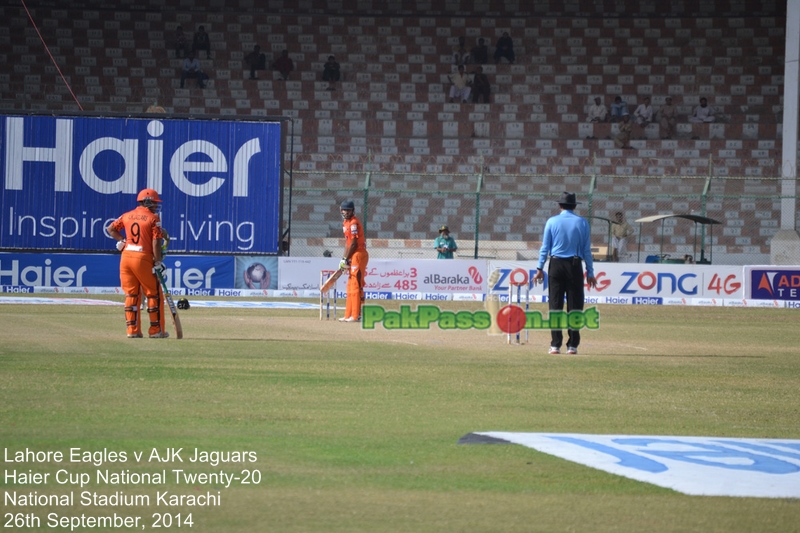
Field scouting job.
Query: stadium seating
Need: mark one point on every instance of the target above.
(390, 113)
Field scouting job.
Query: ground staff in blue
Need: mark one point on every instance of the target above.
(567, 242)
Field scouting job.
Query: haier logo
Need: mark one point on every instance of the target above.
(227, 292)
(41, 275)
(661, 281)
(647, 301)
(220, 181)
(775, 284)
(433, 296)
(405, 296)
(203, 159)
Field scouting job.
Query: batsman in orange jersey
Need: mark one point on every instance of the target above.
(356, 259)
(141, 258)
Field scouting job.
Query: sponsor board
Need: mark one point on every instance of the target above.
(676, 301)
(767, 303)
(102, 270)
(639, 279)
(647, 300)
(407, 296)
(66, 178)
(708, 302)
(391, 275)
(377, 295)
(773, 283)
(54, 301)
(467, 297)
(699, 466)
(256, 272)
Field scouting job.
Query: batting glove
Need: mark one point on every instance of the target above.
(343, 264)
(121, 245)
(158, 267)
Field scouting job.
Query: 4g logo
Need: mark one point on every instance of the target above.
(729, 286)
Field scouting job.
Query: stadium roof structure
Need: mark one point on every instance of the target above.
(700, 223)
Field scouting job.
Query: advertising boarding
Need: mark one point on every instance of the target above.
(642, 283)
(392, 279)
(774, 283)
(66, 178)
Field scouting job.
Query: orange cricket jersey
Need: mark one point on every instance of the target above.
(353, 230)
(141, 227)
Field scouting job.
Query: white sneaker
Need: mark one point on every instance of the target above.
(572, 351)
(161, 335)
(135, 335)
(343, 319)
(554, 351)
(352, 319)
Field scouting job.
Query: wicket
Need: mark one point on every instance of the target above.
(325, 297)
(520, 286)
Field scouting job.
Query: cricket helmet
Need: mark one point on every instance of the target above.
(183, 303)
(347, 205)
(148, 197)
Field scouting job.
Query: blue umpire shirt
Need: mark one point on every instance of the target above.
(567, 235)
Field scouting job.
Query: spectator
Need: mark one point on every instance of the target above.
(331, 73)
(620, 231)
(191, 69)
(505, 49)
(256, 60)
(644, 112)
(181, 43)
(460, 54)
(481, 89)
(200, 41)
(669, 118)
(702, 113)
(461, 85)
(284, 65)
(618, 108)
(480, 53)
(623, 138)
(155, 108)
(445, 244)
(597, 111)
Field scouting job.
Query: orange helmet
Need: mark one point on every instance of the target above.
(148, 194)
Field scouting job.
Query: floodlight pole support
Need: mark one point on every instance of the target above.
(478, 207)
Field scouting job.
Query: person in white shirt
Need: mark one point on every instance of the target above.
(702, 113)
(644, 113)
(191, 69)
(461, 85)
(597, 111)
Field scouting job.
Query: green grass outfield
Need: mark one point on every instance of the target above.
(356, 430)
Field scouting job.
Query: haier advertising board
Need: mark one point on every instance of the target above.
(66, 178)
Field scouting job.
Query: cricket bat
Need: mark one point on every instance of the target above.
(330, 281)
(492, 304)
(176, 320)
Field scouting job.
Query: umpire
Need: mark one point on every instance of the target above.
(566, 241)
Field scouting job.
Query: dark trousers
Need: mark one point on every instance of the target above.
(565, 277)
(199, 76)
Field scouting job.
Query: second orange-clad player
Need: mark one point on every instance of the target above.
(141, 256)
(356, 259)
